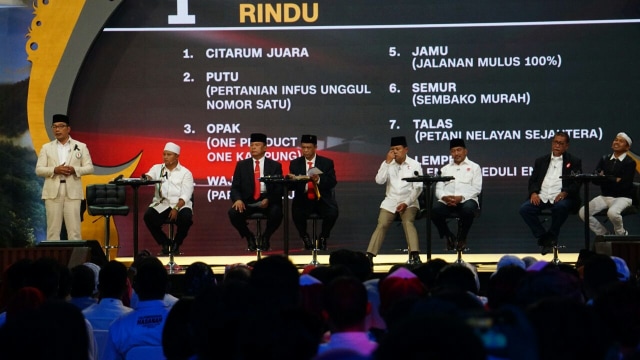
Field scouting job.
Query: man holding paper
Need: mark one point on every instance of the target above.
(316, 195)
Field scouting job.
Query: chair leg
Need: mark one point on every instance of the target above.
(555, 259)
(107, 237)
(107, 233)
(172, 266)
(314, 252)
(258, 240)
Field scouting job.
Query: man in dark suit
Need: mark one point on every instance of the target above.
(548, 191)
(306, 200)
(249, 195)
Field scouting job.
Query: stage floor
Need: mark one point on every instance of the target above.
(382, 263)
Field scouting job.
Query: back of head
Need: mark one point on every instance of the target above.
(62, 333)
(197, 278)
(44, 274)
(599, 272)
(549, 282)
(275, 282)
(345, 300)
(427, 272)
(151, 279)
(456, 276)
(112, 280)
(83, 281)
(356, 261)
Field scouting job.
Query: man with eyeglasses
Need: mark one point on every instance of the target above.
(548, 191)
(62, 162)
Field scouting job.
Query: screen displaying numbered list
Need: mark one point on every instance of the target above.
(207, 74)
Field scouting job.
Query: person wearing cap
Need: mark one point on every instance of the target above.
(250, 195)
(171, 199)
(401, 198)
(458, 195)
(548, 191)
(616, 192)
(62, 162)
(306, 199)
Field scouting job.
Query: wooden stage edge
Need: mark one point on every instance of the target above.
(382, 263)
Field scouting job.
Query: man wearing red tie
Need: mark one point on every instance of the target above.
(62, 162)
(249, 195)
(317, 195)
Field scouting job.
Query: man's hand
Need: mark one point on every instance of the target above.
(535, 199)
(239, 206)
(401, 208)
(390, 156)
(452, 200)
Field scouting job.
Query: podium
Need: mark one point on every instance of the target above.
(428, 182)
(584, 180)
(135, 183)
(286, 184)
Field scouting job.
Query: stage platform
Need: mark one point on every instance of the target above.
(382, 262)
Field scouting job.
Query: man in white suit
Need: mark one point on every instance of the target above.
(61, 163)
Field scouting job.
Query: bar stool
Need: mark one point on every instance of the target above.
(171, 266)
(106, 200)
(314, 217)
(258, 217)
(456, 215)
(546, 214)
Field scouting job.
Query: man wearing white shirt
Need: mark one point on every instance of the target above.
(459, 195)
(172, 199)
(401, 198)
(548, 191)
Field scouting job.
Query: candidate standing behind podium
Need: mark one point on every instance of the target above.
(62, 162)
(548, 191)
(401, 198)
(171, 200)
(306, 200)
(459, 195)
(616, 194)
(250, 195)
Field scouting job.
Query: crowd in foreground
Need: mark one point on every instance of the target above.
(269, 309)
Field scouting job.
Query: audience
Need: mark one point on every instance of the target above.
(269, 309)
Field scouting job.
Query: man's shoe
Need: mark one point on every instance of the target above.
(251, 243)
(175, 249)
(414, 258)
(322, 244)
(461, 245)
(308, 245)
(451, 242)
(546, 249)
(265, 244)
